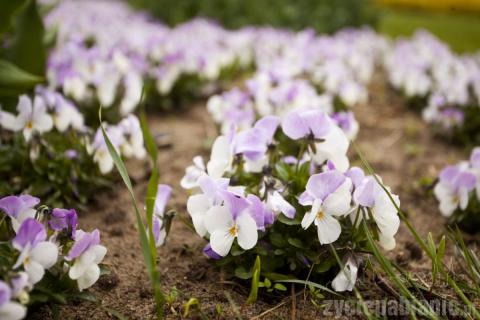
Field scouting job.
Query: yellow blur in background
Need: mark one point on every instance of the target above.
(466, 5)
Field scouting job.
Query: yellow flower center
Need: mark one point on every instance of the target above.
(456, 199)
(29, 125)
(320, 215)
(233, 231)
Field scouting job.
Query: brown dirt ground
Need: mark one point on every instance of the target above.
(397, 144)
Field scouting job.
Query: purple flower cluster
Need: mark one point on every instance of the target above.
(459, 184)
(43, 241)
(424, 67)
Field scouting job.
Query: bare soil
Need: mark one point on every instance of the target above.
(395, 141)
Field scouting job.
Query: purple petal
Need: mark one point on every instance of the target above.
(13, 205)
(323, 184)
(259, 212)
(30, 232)
(364, 194)
(294, 126)
(83, 242)
(5, 293)
(211, 187)
(235, 203)
(250, 143)
(19, 283)
(208, 251)
(279, 202)
(465, 180)
(163, 195)
(475, 158)
(64, 219)
(318, 122)
(449, 173)
(267, 126)
(356, 174)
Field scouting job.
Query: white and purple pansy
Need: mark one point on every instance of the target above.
(231, 221)
(453, 188)
(86, 254)
(10, 309)
(36, 253)
(370, 194)
(253, 143)
(164, 193)
(19, 208)
(199, 204)
(329, 195)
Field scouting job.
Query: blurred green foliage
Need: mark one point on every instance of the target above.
(22, 49)
(461, 30)
(321, 15)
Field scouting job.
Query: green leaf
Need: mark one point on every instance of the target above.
(255, 281)
(309, 283)
(150, 261)
(10, 8)
(296, 243)
(191, 303)
(288, 221)
(280, 287)
(14, 80)
(27, 49)
(242, 273)
(283, 171)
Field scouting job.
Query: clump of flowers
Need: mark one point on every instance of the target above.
(264, 95)
(458, 192)
(44, 254)
(284, 190)
(46, 148)
(443, 85)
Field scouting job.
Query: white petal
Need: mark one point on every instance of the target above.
(220, 158)
(12, 311)
(346, 278)
(43, 123)
(198, 204)
(385, 215)
(463, 198)
(89, 277)
(35, 271)
(247, 231)
(10, 122)
(199, 224)
(221, 242)
(45, 253)
(328, 229)
(218, 218)
(308, 219)
(338, 203)
(386, 241)
(99, 251)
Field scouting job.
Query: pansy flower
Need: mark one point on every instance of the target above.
(452, 190)
(369, 194)
(229, 222)
(329, 195)
(10, 310)
(36, 254)
(86, 254)
(19, 208)
(32, 117)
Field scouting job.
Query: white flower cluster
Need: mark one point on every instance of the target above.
(98, 57)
